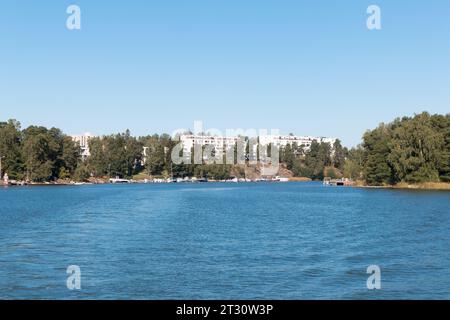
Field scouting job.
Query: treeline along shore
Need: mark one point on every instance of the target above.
(408, 152)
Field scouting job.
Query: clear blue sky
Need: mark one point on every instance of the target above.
(306, 67)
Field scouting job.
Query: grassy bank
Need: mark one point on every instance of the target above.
(424, 186)
(412, 186)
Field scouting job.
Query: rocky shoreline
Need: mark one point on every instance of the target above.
(101, 181)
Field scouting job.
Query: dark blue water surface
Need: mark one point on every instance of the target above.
(223, 241)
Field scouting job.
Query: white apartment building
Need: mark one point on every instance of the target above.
(83, 140)
(304, 141)
(220, 143)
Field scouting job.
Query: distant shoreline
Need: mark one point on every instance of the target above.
(431, 186)
(60, 184)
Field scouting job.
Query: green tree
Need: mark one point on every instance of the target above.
(318, 157)
(115, 155)
(354, 163)
(377, 170)
(82, 172)
(38, 152)
(97, 162)
(338, 155)
(156, 160)
(416, 149)
(10, 149)
(70, 157)
(442, 124)
(287, 156)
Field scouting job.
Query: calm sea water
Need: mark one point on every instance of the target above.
(223, 241)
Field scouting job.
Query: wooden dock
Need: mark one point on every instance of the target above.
(343, 182)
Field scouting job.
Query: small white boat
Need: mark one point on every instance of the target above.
(118, 180)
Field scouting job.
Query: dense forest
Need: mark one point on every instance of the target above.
(411, 149)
